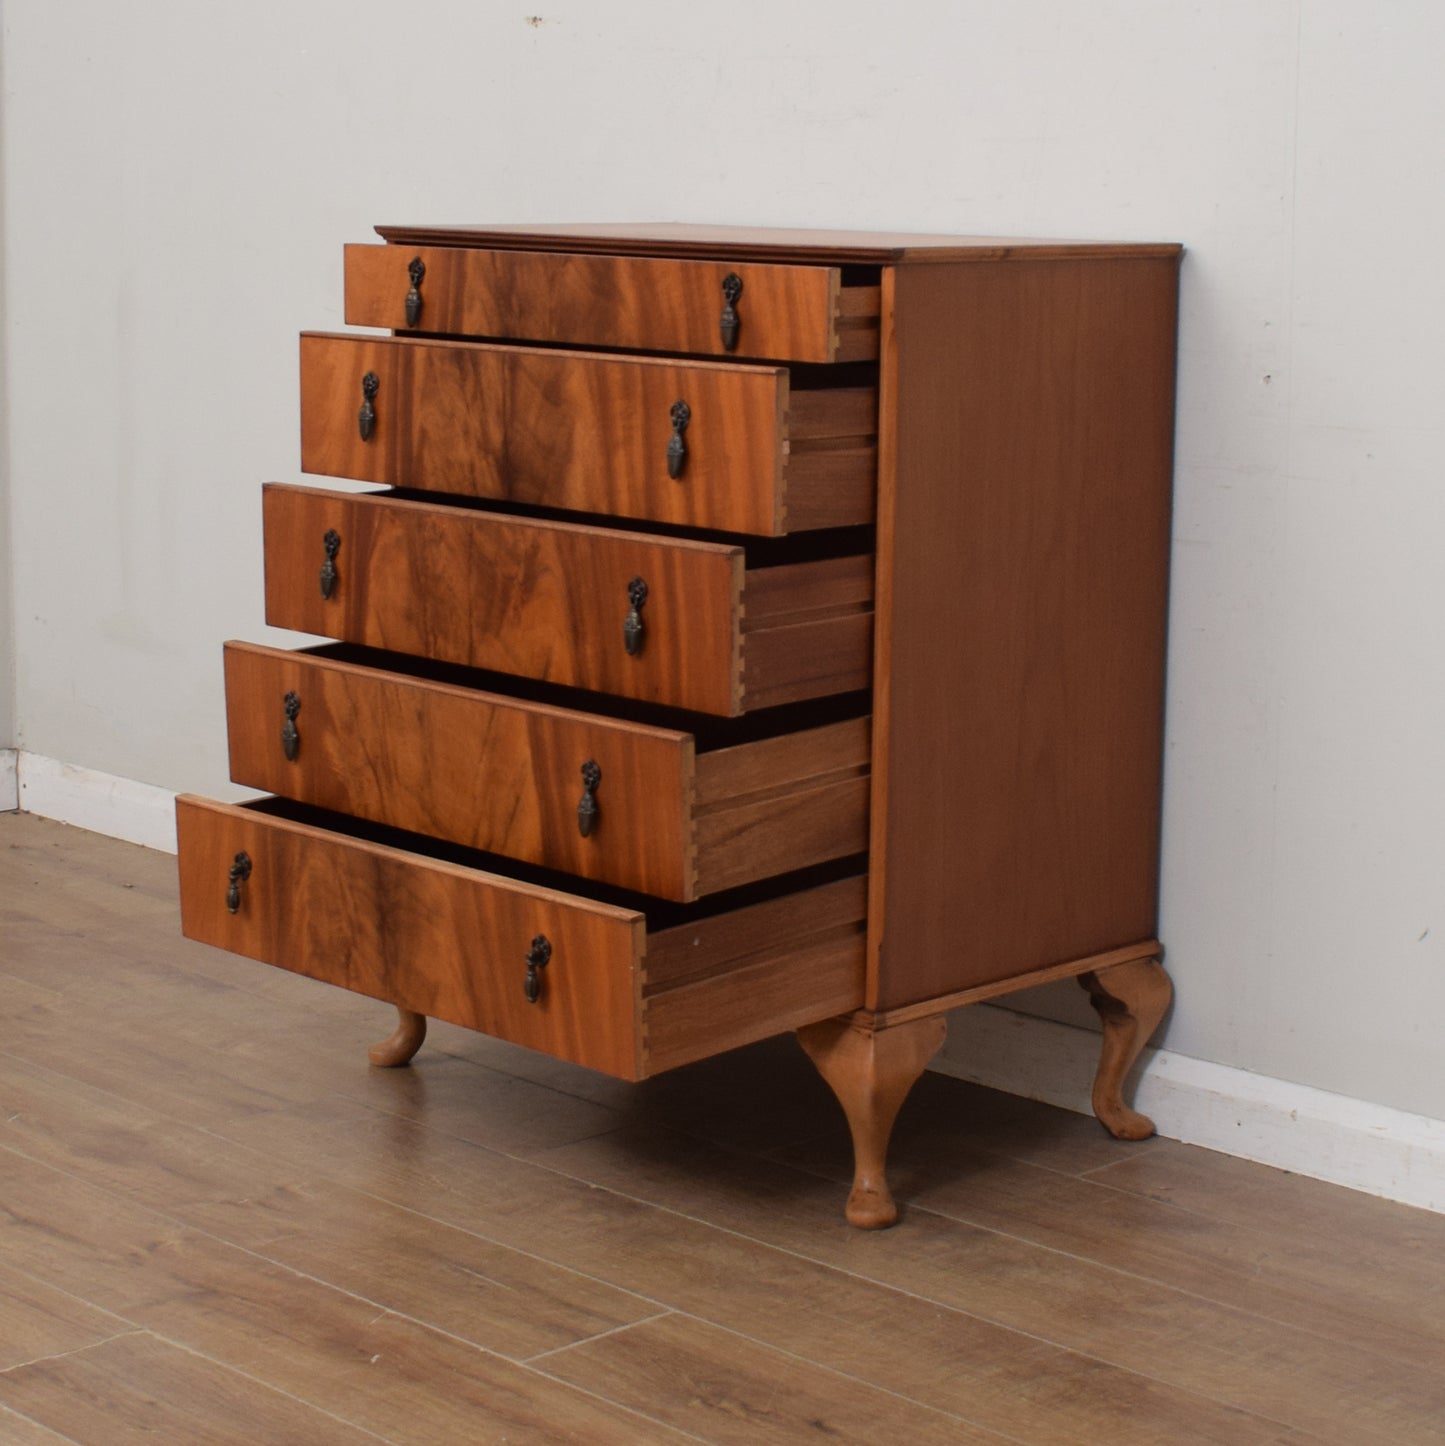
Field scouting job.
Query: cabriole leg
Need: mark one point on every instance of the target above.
(1131, 1000)
(871, 1072)
(402, 1043)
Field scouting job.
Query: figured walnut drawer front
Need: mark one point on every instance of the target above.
(591, 433)
(618, 992)
(553, 601)
(512, 777)
(793, 313)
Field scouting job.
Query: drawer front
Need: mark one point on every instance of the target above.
(476, 768)
(517, 595)
(509, 777)
(794, 313)
(453, 942)
(553, 601)
(556, 429)
(437, 938)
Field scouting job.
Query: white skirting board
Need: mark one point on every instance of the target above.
(1312, 1132)
(139, 813)
(1326, 1136)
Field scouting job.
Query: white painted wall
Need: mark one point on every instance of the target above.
(180, 178)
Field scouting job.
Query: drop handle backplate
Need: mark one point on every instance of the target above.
(366, 417)
(632, 627)
(330, 546)
(730, 323)
(587, 809)
(240, 871)
(538, 957)
(681, 415)
(415, 271)
(290, 738)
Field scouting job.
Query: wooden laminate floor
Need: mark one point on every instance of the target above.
(217, 1224)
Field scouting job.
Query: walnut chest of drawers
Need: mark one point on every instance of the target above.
(756, 631)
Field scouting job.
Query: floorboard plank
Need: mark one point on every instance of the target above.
(18, 1430)
(738, 1393)
(339, 1353)
(138, 1388)
(1260, 1197)
(1283, 1273)
(1285, 1375)
(192, 1144)
(903, 1340)
(37, 1320)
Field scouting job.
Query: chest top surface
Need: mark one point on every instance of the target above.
(682, 239)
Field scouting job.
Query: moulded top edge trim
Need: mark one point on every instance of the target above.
(686, 241)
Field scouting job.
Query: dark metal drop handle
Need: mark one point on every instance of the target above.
(677, 446)
(240, 872)
(632, 629)
(331, 545)
(415, 270)
(587, 806)
(290, 738)
(366, 417)
(732, 289)
(537, 957)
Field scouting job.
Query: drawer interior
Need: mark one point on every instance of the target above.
(662, 916)
(761, 450)
(678, 805)
(729, 626)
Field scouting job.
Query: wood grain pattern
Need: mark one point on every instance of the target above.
(504, 775)
(435, 938)
(711, 1381)
(684, 954)
(770, 243)
(1130, 1000)
(1050, 1283)
(22, 1431)
(452, 942)
(400, 1046)
(871, 1071)
(521, 595)
(788, 830)
(37, 1320)
(512, 594)
(785, 312)
(1023, 553)
(1070, 969)
(755, 1000)
(139, 1386)
(480, 769)
(308, 1229)
(1260, 1380)
(550, 428)
(781, 803)
(745, 772)
(283, 1334)
(589, 433)
(787, 662)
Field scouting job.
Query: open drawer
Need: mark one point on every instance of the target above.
(677, 811)
(599, 981)
(669, 620)
(714, 307)
(699, 444)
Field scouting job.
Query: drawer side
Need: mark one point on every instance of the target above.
(753, 973)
